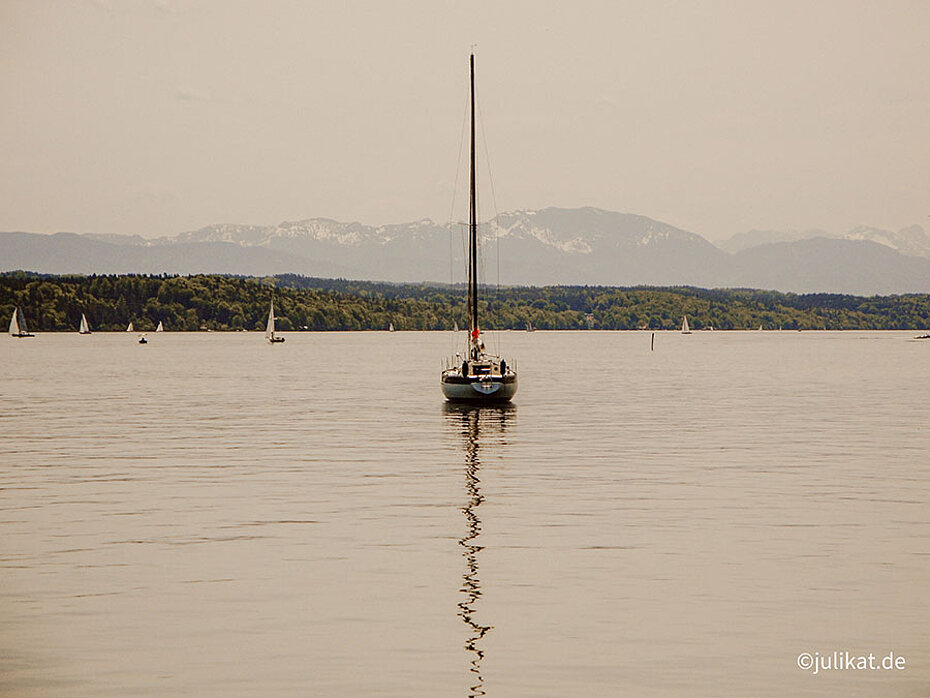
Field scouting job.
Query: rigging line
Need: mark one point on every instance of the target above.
(463, 238)
(458, 163)
(496, 219)
(487, 155)
(452, 226)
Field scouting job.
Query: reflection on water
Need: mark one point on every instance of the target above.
(208, 516)
(471, 421)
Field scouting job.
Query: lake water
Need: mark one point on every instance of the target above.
(209, 515)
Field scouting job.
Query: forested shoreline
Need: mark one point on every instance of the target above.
(215, 302)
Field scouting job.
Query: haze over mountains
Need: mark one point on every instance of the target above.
(912, 240)
(585, 246)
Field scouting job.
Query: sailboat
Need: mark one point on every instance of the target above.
(476, 376)
(160, 328)
(85, 328)
(18, 324)
(390, 327)
(684, 325)
(455, 326)
(130, 328)
(529, 326)
(269, 328)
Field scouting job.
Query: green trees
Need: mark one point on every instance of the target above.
(55, 303)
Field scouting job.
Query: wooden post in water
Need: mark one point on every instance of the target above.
(652, 346)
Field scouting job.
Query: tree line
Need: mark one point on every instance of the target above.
(215, 302)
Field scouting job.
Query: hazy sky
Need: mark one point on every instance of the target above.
(160, 116)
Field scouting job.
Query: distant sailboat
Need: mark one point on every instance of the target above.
(390, 327)
(529, 326)
(160, 328)
(478, 377)
(269, 328)
(684, 325)
(130, 328)
(760, 328)
(18, 324)
(85, 328)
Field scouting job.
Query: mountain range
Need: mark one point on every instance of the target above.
(584, 246)
(912, 240)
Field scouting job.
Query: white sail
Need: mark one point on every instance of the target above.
(160, 328)
(18, 324)
(130, 329)
(391, 327)
(269, 328)
(456, 327)
(85, 328)
(684, 326)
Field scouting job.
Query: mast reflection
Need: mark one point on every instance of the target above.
(470, 422)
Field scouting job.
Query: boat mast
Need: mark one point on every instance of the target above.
(473, 226)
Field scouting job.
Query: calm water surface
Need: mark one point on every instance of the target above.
(209, 515)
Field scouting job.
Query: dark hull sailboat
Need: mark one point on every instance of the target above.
(476, 376)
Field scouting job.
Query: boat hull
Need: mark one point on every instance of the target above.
(474, 390)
